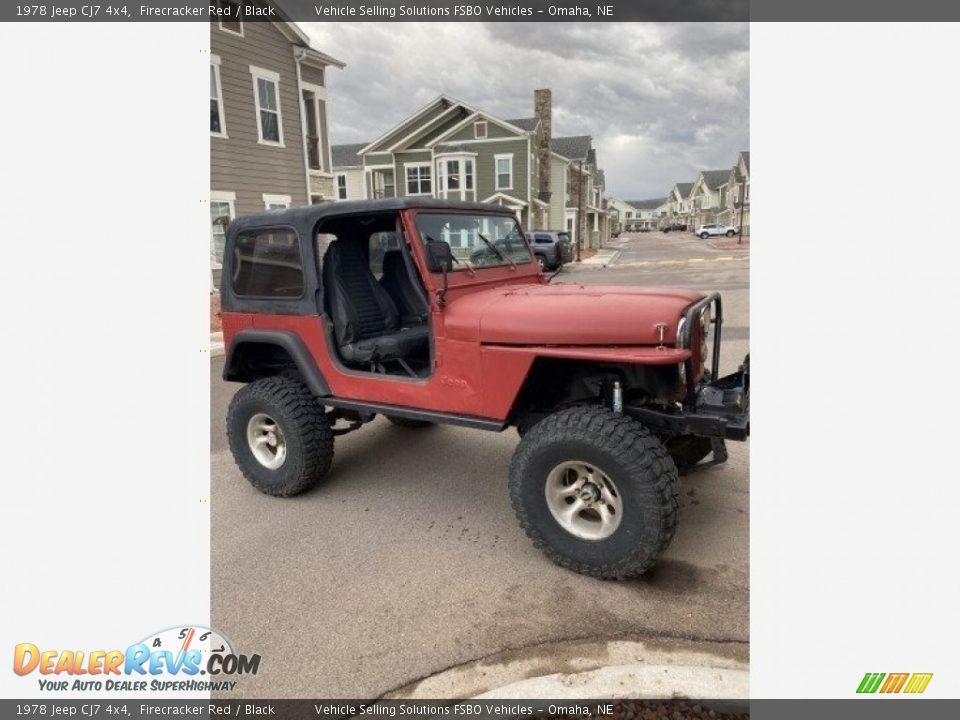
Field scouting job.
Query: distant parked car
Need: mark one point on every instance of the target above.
(673, 226)
(713, 229)
(552, 248)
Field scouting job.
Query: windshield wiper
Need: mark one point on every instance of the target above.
(498, 253)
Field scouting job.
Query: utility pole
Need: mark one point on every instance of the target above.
(743, 189)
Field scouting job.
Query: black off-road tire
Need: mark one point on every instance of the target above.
(636, 462)
(306, 432)
(730, 233)
(409, 422)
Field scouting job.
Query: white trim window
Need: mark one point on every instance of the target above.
(503, 165)
(266, 95)
(480, 130)
(341, 186)
(455, 175)
(222, 211)
(218, 125)
(276, 202)
(418, 179)
(234, 26)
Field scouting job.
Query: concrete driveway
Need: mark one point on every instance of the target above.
(408, 560)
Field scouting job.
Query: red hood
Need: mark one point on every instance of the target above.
(567, 314)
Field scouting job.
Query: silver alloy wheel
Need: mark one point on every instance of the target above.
(266, 441)
(583, 500)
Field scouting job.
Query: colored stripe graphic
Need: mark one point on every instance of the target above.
(894, 682)
(870, 682)
(918, 682)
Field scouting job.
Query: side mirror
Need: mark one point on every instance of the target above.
(439, 256)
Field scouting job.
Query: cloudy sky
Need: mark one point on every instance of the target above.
(662, 101)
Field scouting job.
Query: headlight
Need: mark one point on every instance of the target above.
(704, 333)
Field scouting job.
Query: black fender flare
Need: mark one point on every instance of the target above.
(290, 342)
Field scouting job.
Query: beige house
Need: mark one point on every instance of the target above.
(269, 146)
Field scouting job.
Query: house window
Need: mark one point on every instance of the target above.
(230, 20)
(341, 186)
(313, 111)
(468, 174)
(217, 125)
(453, 174)
(418, 179)
(382, 185)
(276, 202)
(504, 171)
(480, 129)
(266, 93)
(221, 213)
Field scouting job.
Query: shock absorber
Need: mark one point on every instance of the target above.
(616, 400)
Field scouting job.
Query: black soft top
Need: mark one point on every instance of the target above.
(309, 215)
(304, 220)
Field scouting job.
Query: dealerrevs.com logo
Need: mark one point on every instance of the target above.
(183, 659)
(887, 684)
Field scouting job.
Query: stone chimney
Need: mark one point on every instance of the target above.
(543, 109)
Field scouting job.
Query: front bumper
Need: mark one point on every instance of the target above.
(721, 409)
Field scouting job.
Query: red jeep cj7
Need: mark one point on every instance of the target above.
(428, 311)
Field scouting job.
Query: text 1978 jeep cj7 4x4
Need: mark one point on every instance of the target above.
(430, 311)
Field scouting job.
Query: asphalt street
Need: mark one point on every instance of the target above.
(408, 559)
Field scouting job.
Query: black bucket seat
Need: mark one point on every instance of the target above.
(366, 321)
(409, 298)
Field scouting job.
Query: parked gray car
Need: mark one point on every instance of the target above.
(552, 248)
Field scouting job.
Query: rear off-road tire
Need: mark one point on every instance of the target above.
(280, 436)
(409, 422)
(625, 500)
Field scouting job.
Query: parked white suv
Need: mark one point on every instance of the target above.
(705, 231)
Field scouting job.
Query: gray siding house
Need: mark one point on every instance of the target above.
(269, 146)
(448, 149)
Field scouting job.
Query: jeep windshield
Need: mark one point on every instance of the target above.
(476, 241)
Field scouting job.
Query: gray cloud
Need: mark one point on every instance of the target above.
(661, 100)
